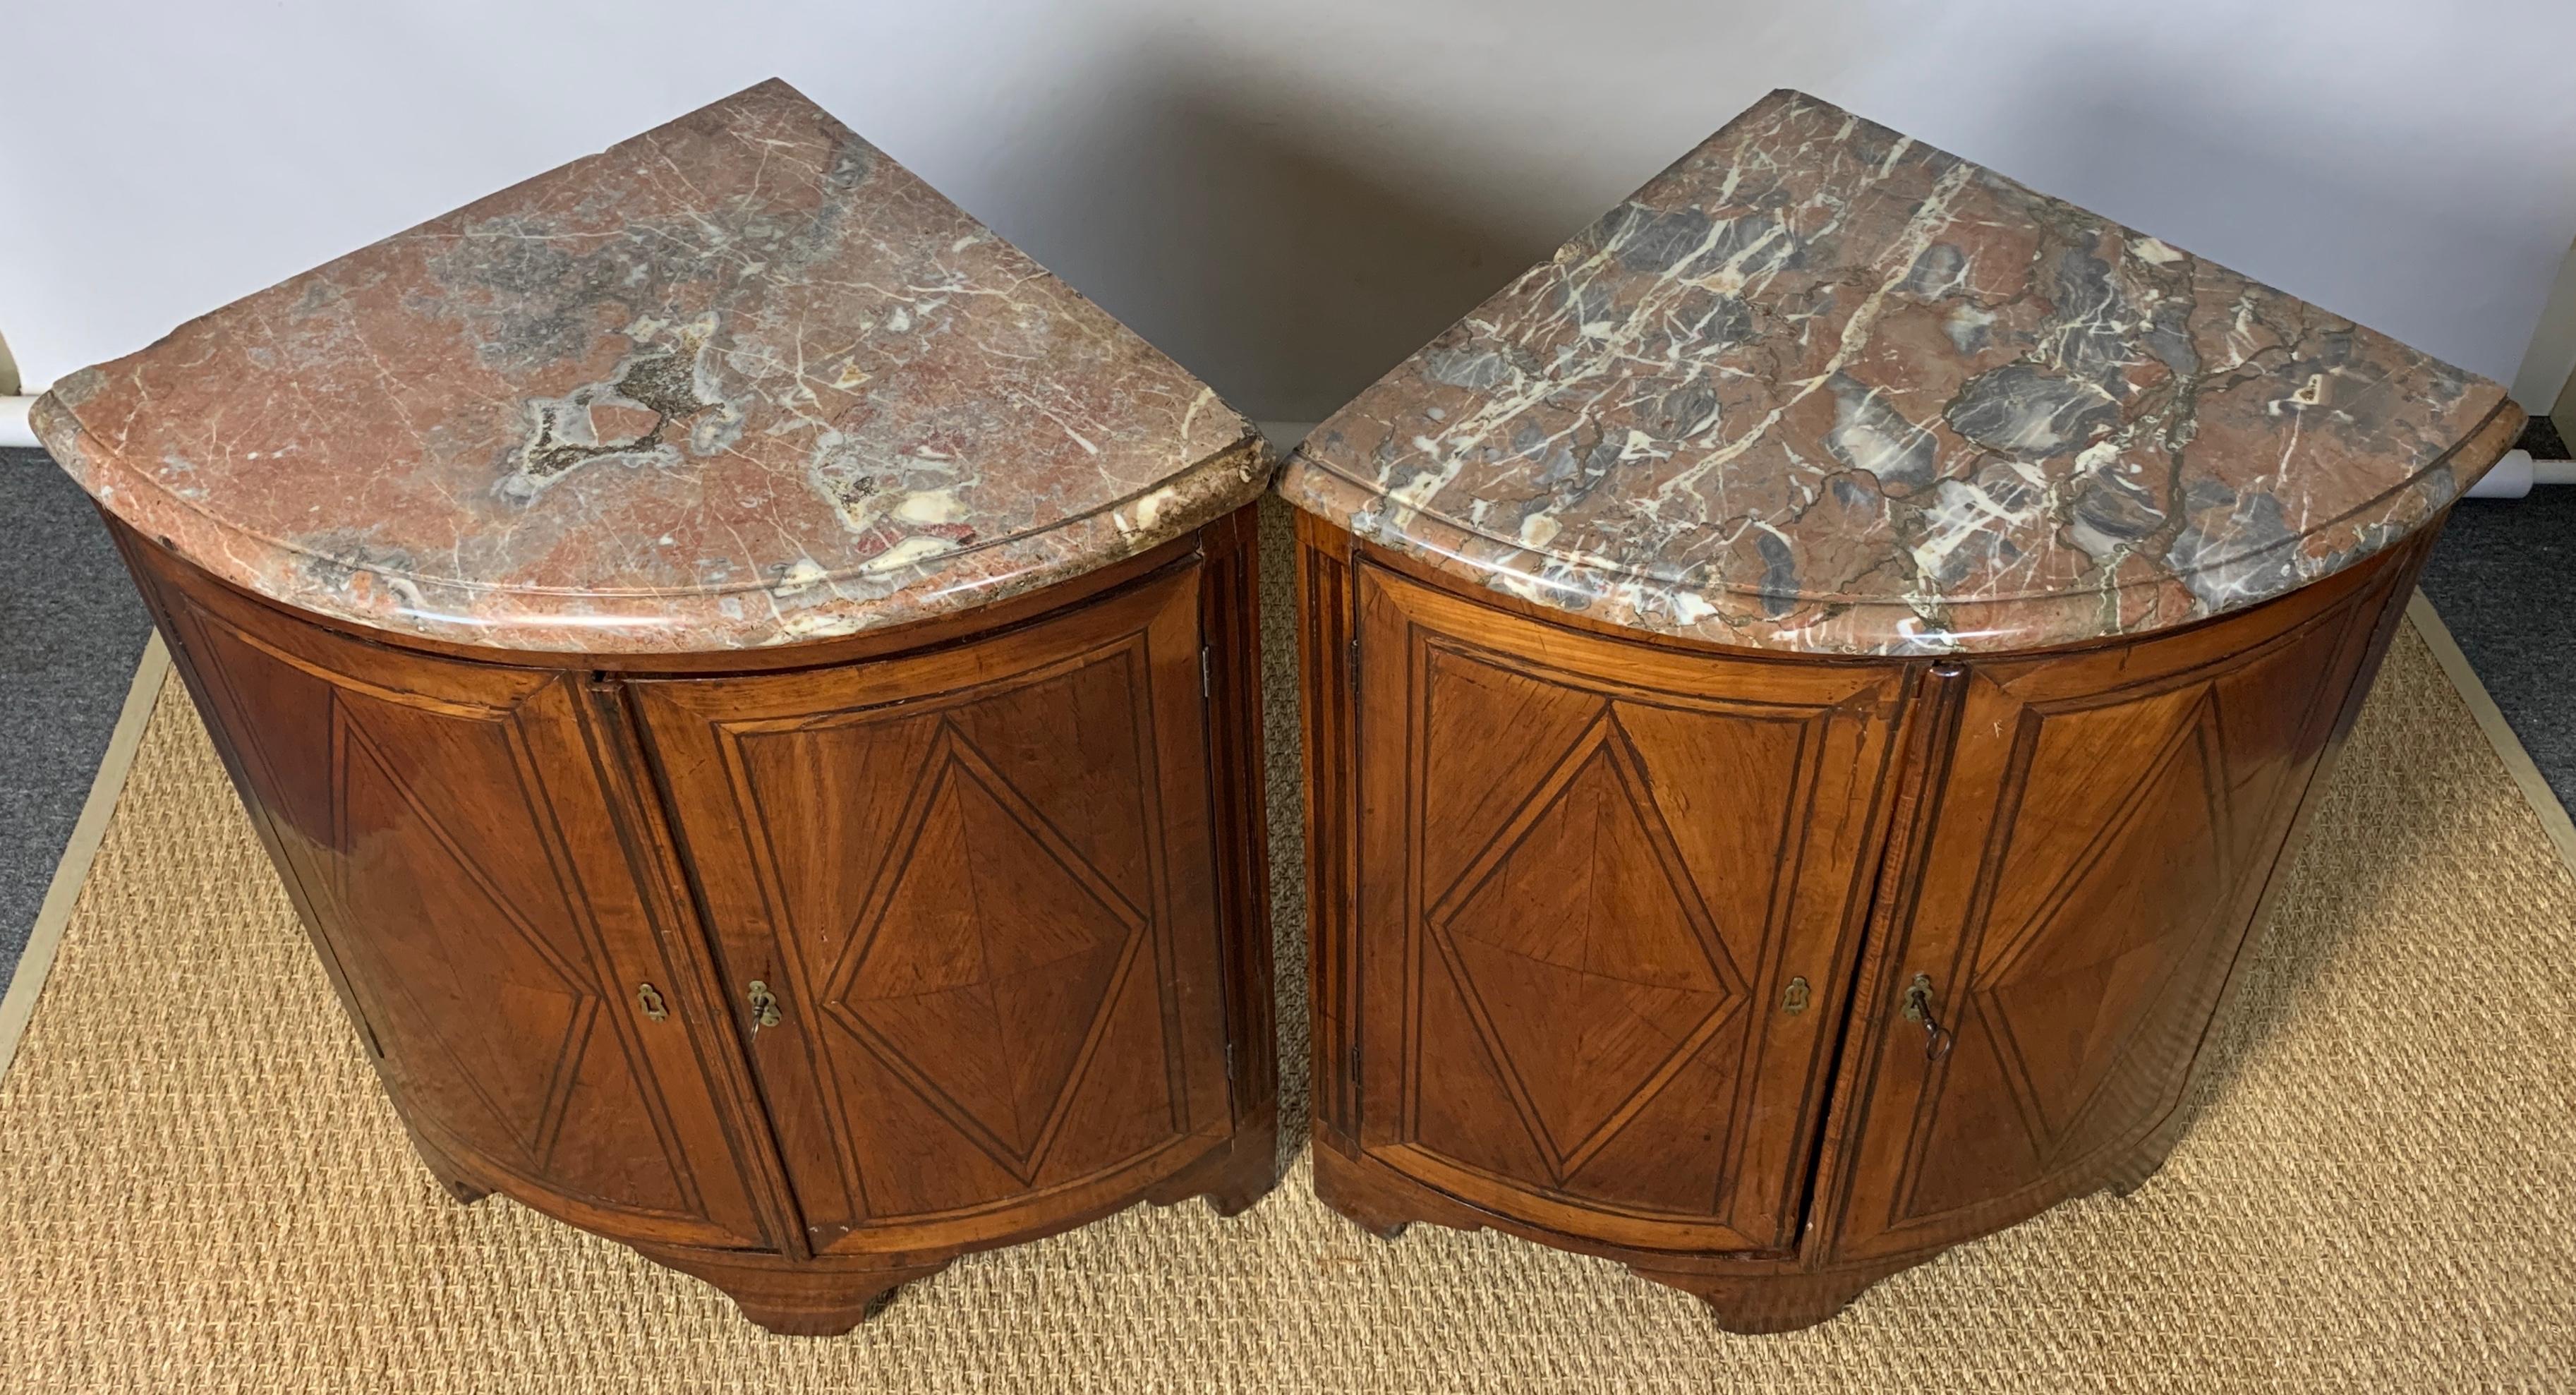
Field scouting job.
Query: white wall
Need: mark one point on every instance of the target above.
(1290, 196)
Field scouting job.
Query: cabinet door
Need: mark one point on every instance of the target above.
(979, 883)
(447, 833)
(1608, 894)
(2098, 844)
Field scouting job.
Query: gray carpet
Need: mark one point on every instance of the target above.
(2504, 579)
(71, 632)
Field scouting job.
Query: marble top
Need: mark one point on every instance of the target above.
(1820, 387)
(740, 381)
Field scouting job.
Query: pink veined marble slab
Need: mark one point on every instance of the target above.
(1822, 388)
(740, 381)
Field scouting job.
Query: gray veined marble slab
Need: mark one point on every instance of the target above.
(1820, 387)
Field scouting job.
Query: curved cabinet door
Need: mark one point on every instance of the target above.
(2101, 837)
(977, 887)
(1607, 897)
(447, 832)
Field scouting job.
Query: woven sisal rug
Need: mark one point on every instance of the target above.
(200, 1188)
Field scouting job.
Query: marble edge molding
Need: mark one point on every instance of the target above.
(1620, 596)
(1517, 364)
(632, 621)
(857, 349)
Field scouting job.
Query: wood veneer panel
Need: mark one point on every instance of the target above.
(1593, 870)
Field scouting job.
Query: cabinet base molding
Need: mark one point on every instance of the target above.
(1750, 1296)
(829, 1295)
(1753, 1296)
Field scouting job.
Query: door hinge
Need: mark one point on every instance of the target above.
(1352, 666)
(1207, 662)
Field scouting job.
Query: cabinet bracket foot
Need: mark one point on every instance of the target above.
(804, 1300)
(2134, 1171)
(1366, 1202)
(1232, 1178)
(1764, 1303)
(451, 1179)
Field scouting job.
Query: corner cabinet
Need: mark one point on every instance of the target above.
(1771, 975)
(802, 978)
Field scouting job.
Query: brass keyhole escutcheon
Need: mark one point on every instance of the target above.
(649, 998)
(764, 1004)
(1793, 1000)
(1918, 1008)
(1918, 998)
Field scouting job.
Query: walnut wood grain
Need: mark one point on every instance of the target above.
(1006, 887)
(1593, 871)
(980, 882)
(2104, 828)
(1581, 867)
(1325, 707)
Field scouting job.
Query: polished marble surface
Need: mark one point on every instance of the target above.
(1822, 388)
(740, 381)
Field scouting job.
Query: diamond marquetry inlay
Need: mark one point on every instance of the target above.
(1591, 964)
(984, 972)
(496, 1003)
(2090, 967)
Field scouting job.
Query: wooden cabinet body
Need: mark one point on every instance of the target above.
(803, 977)
(1768, 975)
